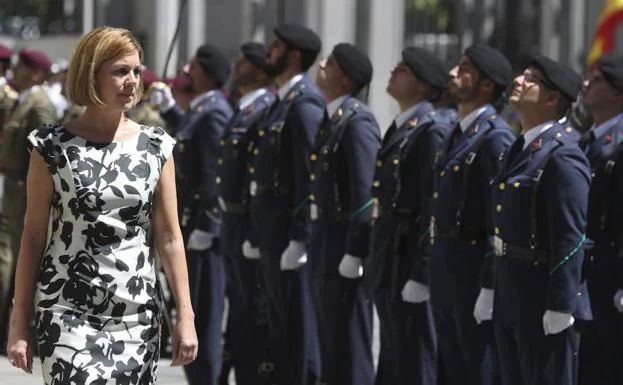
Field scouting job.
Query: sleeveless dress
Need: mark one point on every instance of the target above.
(98, 303)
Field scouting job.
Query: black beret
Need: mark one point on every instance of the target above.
(353, 62)
(426, 66)
(611, 68)
(214, 62)
(560, 77)
(299, 37)
(254, 53)
(491, 62)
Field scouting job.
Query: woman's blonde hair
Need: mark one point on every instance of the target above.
(93, 49)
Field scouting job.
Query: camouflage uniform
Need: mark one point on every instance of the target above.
(144, 114)
(36, 110)
(72, 113)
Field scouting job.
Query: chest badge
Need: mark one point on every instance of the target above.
(474, 130)
(609, 138)
(537, 144)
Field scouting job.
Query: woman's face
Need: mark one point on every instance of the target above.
(118, 80)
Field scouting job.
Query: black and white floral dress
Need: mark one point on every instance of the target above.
(98, 305)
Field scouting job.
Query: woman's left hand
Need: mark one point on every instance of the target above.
(185, 344)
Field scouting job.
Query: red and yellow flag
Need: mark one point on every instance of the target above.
(604, 40)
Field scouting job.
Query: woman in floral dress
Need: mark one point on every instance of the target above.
(107, 184)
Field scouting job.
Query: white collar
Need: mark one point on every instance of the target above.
(467, 121)
(600, 130)
(200, 98)
(334, 105)
(25, 94)
(284, 89)
(530, 135)
(250, 97)
(2, 81)
(402, 118)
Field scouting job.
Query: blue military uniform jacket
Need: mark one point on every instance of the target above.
(232, 177)
(460, 213)
(342, 171)
(280, 168)
(398, 178)
(540, 201)
(198, 133)
(605, 213)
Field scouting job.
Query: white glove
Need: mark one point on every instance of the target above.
(555, 322)
(618, 301)
(483, 310)
(249, 251)
(351, 267)
(415, 292)
(200, 240)
(162, 98)
(294, 256)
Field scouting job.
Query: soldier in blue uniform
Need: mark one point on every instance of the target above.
(540, 201)
(247, 323)
(198, 133)
(460, 215)
(279, 189)
(601, 350)
(396, 271)
(341, 208)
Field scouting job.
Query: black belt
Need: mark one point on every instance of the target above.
(232, 207)
(257, 189)
(316, 213)
(535, 257)
(471, 236)
(385, 210)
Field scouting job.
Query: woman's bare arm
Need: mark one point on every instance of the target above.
(169, 240)
(39, 190)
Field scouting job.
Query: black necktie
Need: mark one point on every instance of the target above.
(323, 130)
(391, 131)
(587, 140)
(515, 150)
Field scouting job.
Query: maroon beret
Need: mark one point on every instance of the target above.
(35, 59)
(180, 82)
(149, 77)
(5, 52)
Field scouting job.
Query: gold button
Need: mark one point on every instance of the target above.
(313, 157)
(396, 161)
(435, 195)
(251, 170)
(261, 133)
(220, 161)
(312, 177)
(516, 184)
(498, 208)
(312, 197)
(496, 231)
(442, 173)
(235, 141)
(376, 183)
(502, 186)
(196, 196)
(218, 180)
(379, 163)
(256, 151)
(473, 242)
(222, 142)
(456, 168)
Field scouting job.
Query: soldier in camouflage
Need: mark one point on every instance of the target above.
(33, 109)
(143, 113)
